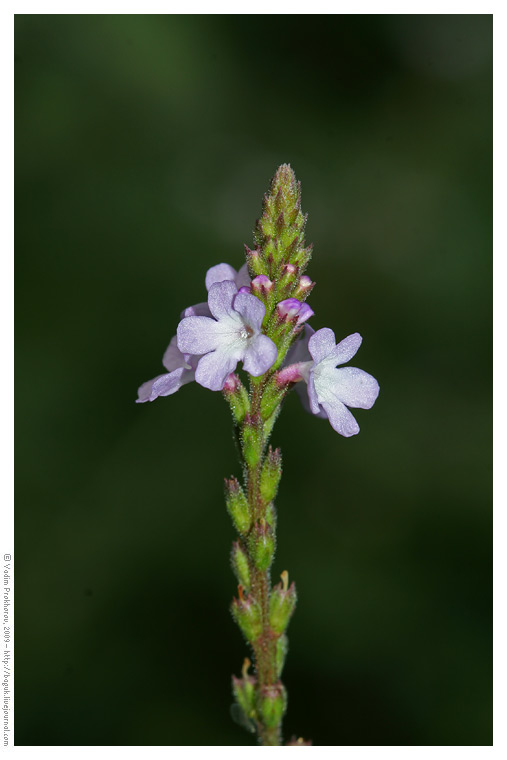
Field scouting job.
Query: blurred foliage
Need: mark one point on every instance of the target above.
(143, 147)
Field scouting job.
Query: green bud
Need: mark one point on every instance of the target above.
(251, 441)
(272, 704)
(280, 230)
(282, 647)
(271, 515)
(256, 265)
(235, 393)
(262, 545)
(239, 561)
(248, 615)
(271, 474)
(244, 691)
(271, 398)
(302, 257)
(268, 425)
(281, 604)
(237, 505)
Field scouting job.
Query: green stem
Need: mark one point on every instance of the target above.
(265, 646)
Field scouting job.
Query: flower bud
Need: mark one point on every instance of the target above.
(237, 505)
(293, 310)
(244, 691)
(251, 441)
(248, 615)
(239, 561)
(272, 703)
(282, 647)
(255, 263)
(272, 396)
(302, 256)
(271, 515)
(271, 474)
(261, 285)
(236, 394)
(288, 278)
(281, 604)
(304, 288)
(263, 545)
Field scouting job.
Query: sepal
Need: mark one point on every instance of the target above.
(262, 545)
(236, 395)
(239, 561)
(251, 441)
(244, 691)
(304, 288)
(282, 647)
(281, 604)
(272, 704)
(271, 474)
(248, 615)
(237, 505)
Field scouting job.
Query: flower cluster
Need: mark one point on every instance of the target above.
(258, 316)
(214, 336)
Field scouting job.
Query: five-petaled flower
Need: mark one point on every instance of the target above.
(181, 367)
(315, 359)
(231, 334)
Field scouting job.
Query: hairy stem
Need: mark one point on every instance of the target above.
(265, 646)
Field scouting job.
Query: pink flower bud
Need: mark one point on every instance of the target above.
(261, 285)
(292, 309)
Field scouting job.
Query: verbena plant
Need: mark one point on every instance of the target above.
(259, 316)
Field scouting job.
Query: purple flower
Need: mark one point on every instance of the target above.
(181, 371)
(219, 273)
(222, 272)
(332, 390)
(232, 335)
(292, 308)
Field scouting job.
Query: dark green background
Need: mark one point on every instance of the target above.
(143, 147)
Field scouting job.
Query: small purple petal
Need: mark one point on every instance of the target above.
(346, 349)
(312, 395)
(214, 368)
(199, 310)
(198, 335)
(299, 352)
(242, 279)
(355, 387)
(260, 355)
(144, 390)
(321, 344)
(251, 309)
(220, 299)
(302, 391)
(169, 384)
(219, 273)
(164, 385)
(305, 313)
(173, 358)
(340, 418)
